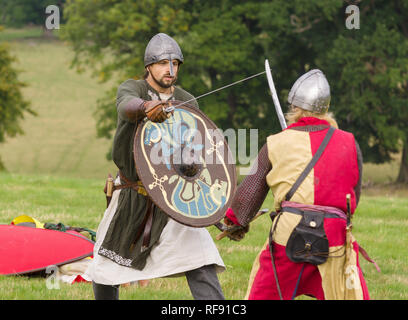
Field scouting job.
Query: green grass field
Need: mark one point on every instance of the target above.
(61, 140)
(56, 173)
(381, 227)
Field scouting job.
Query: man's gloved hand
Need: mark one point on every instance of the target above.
(237, 232)
(155, 110)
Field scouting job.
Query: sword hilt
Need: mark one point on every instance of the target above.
(226, 229)
(169, 109)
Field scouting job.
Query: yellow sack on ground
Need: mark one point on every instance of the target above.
(25, 220)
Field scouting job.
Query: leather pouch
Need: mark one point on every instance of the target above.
(308, 241)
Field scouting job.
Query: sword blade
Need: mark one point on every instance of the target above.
(275, 99)
(219, 89)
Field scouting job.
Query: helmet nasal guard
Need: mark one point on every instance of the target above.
(162, 47)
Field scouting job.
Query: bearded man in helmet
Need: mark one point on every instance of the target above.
(310, 249)
(168, 247)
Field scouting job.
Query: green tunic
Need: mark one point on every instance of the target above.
(117, 244)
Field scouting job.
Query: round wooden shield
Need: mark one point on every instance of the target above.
(186, 166)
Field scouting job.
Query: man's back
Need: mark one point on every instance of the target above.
(334, 175)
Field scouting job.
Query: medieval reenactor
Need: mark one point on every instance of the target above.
(314, 171)
(136, 239)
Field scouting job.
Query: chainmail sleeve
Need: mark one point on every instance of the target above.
(252, 191)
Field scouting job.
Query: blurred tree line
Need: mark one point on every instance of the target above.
(12, 104)
(227, 40)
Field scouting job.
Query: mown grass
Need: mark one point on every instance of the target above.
(12, 34)
(62, 139)
(380, 226)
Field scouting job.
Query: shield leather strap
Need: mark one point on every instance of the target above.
(290, 194)
(146, 225)
(186, 166)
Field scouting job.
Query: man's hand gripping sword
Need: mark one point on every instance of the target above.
(230, 230)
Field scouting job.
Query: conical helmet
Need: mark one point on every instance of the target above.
(311, 92)
(161, 47)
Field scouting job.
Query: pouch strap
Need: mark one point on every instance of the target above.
(275, 273)
(274, 215)
(311, 164)
(297, 282)
(300, 212)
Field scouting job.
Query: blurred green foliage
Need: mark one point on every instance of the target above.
(224, 41)
(12, 103)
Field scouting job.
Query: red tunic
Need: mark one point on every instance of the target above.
(336, 174)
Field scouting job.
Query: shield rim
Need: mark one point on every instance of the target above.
(199, 222)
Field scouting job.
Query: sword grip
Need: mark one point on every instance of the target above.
(221, 235)
(109, 186)
(225, 232)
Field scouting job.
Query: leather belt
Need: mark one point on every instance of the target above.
(110, 186)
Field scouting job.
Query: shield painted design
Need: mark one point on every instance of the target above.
(186, 166)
